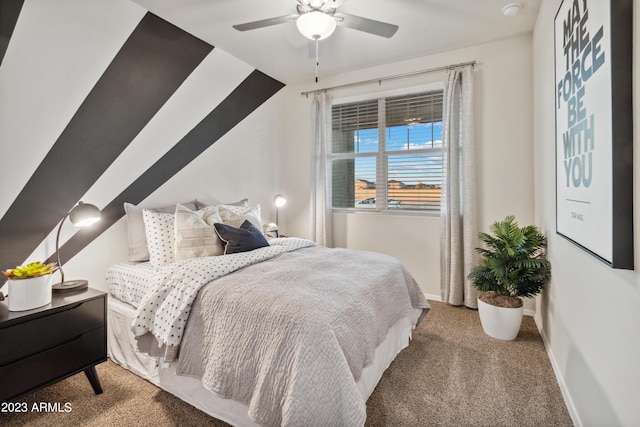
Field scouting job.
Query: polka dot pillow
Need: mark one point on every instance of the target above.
(159, 229)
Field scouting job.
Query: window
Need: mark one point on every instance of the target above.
(387, 153)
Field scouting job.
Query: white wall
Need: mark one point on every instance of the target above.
(503, 128)
(589, 314)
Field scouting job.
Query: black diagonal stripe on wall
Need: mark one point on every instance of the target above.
(9, 12)
(154, 61)
(248, 96)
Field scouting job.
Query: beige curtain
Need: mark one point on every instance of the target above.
(321, 224)
(458, 235)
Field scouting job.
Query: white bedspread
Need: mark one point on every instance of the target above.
(164, 310)
(290, 337)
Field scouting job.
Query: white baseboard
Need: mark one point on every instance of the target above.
(439, 298)
(433, 297)
(556, 370)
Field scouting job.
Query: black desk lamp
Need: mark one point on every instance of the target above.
(82, 215)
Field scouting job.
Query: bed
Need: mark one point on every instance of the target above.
(288, 333)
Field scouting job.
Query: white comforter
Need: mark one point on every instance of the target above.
(164, 310)
(288, 337)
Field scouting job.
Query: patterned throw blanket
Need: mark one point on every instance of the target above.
(165, 308)
(290, 337)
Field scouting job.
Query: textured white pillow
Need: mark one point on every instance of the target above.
(194, 237)
(137, 239)
(158, 228)
(236, 215)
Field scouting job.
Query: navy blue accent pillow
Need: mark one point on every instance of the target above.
(243, 239)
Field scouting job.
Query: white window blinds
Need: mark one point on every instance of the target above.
(387, 153)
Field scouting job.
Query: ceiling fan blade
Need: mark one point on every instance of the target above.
(366, 25)
(266, 22)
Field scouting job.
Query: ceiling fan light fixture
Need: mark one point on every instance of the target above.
(316, 25)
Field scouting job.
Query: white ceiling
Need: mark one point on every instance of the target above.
(426, 27)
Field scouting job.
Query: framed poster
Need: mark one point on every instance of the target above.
(594, 127)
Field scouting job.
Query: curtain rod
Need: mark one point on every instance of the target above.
(397, 76)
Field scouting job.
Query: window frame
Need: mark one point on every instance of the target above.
(382, 155)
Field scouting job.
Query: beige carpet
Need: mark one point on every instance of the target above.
(452, 374)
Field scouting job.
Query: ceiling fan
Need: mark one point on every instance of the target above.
(317, 19)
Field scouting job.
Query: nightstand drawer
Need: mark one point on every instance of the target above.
(25, 339)
(28, 374)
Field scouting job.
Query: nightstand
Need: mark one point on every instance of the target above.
(42, 346)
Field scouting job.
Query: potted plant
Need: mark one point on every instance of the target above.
(30, 285)
(513, 265)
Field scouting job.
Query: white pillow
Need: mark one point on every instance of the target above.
(236, 215)
(137, 239)
(159, 230)
(194, 237)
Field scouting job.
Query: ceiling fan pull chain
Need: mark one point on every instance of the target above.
(317, 60)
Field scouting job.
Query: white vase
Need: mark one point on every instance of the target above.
(27, 294)
(500, 322)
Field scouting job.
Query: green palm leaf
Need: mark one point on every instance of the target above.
(513, 261)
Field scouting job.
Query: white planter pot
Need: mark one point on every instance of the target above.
(27, 294)
(500, 322)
